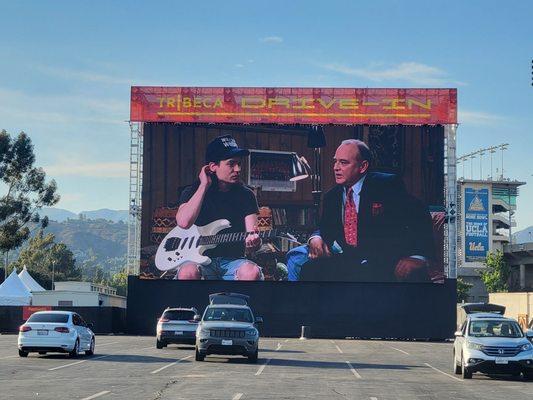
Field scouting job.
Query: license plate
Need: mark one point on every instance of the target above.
(178, 332)
(227, 342)
(42, 332)
(500, 360)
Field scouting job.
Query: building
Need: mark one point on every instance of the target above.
(520, 258)
(79, 294)
(485, 210)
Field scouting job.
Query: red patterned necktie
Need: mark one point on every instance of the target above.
(350, 219)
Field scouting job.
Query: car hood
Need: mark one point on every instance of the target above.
(499, 342)
(226, 324)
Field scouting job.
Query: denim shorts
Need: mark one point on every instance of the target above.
(222, 268)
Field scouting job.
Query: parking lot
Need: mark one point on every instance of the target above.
(129, 367)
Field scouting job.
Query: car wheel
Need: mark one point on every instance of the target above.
(528, 375)
(23, 353)
(253, 357)
(456, 367)
(466, 372)
(42, 353)
(90, 352)
(199, 356)
(159, 344)
(76, 350)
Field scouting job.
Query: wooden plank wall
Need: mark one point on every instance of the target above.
(174, 154)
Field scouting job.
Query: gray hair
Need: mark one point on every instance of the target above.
(364, 150)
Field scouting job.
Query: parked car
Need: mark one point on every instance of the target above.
(228, 328)
(56, 331)
(489, 343)
(178, 326)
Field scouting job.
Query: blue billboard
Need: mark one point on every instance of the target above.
(476, 202)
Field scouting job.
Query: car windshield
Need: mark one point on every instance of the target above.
(491, 328)
(178, 315)
(228, 314)
(49, 317)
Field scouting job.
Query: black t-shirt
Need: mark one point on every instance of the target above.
(232, 205)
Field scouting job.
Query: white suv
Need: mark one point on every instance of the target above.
(489, 343)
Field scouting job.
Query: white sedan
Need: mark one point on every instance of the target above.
(55, 331)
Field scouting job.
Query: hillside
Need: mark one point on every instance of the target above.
(61, 215)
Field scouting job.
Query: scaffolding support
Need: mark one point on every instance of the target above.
(134, 218)
(450, 192)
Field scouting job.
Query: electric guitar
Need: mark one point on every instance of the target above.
(182, 245)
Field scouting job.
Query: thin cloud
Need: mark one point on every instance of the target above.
(271, 39)
(412, 72)
(60, 109)
(478, 118)
(94, 170)
(87, 76)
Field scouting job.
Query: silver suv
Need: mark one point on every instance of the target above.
(177, 325)
(228, 328)
(489, 343)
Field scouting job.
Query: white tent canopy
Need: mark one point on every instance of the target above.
(13, 292)
(28, 280)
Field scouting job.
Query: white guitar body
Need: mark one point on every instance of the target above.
(187, 249)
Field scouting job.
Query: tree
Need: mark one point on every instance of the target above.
(120, 282)
(43, 257)
(496, 273)
(463, 288)
(26, 191)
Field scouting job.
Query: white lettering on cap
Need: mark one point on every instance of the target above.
(229, 142)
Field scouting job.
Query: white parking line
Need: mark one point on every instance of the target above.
(237, 396)
(94, 396)
(373, 398)
(356, 374)
(262, 367)
(400, 350)
(339, 349)
(444, 373)
(78, 362)
(169, 365)
(105, 344)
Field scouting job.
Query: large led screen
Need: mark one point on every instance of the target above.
(218, 202)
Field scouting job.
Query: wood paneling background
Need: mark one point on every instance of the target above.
(174, 154)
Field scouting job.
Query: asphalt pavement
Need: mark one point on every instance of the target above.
(130, 367)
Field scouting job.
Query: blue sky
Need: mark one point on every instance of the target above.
(66, 70)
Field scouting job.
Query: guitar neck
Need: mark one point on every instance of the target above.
(235, 237)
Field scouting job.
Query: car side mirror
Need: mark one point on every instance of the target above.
(459, 334)
(196, 318)
(258, 320)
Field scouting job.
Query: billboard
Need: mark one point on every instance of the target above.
(293, 105)
(476, 212)
(400, 218)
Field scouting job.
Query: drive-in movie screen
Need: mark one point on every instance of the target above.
(293, 184)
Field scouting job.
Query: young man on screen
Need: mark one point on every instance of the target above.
(220, 194)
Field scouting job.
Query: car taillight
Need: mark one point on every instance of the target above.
(24, 328)
(163, 320)
(61, 329)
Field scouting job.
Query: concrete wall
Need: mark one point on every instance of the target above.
(517, 305)
(52, 297)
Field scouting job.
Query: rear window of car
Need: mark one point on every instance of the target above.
(58, 318)
(178, 315)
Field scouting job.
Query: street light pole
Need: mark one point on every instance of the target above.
(53, 273)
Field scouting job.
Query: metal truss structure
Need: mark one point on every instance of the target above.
(450, 196)
(135, 201)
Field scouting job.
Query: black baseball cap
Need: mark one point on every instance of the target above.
(222, 148)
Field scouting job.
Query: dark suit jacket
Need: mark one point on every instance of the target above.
(391, 225)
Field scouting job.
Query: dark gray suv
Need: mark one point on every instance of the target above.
(227, 328)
